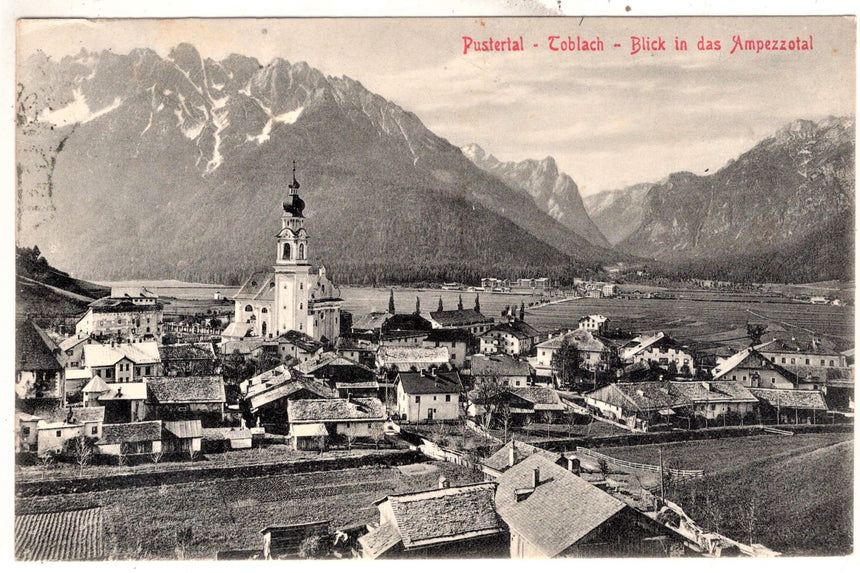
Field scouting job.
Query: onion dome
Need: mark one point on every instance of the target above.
(295, 207)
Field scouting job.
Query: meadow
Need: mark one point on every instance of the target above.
(794, 494)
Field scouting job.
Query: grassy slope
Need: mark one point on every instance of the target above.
(802, 487)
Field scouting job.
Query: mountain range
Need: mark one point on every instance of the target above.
(141, 166)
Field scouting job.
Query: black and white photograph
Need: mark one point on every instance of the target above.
(484, 287)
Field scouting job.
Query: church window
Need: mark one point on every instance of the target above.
(249, 308)
(265, 310)
(301, 251)
(286, 251)
(301, 286)
(301, 306)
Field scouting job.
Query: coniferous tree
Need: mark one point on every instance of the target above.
(439, 308)
(477, 303)
(522, 311)
(460, 303)
(391, 302)
(417, 305)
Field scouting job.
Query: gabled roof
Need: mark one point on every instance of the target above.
(124, 304)
(425, 383)
(372, 321)
(389, 355)
(516, 328)
(581, 338)
(800, 399)
(735, 360)
(562, 510)
(285, 389)
(501, 459)
(60, 536)
(192, 351)
(73, 341)
(459, 317)
(96, 384)
(34, 349)
(301, 340)
(335, 410)
(435, 517)
(336, 368)
(712, 391)
(133, 432)
(448, 335)
(75, 415)
(594, 317)
(499, 365)
(185, 389)
(124, 391)
(259, 286)
(640, 346)
(541, 398)
(637, 397)
(237, 330)
(182, 429)
(96, 355)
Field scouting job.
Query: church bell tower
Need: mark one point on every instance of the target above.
(292, 269)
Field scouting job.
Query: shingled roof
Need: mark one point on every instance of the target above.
(541, 398)
(34, 350)
(335, 410)
(389, 355)
(191, 351)
(516, 328)
(798, 399)
(499, 365)
(712, 391)
(559, 512)
(96, 355)
(463, 317)
(301, 340)
(501, 459)
(185, 389)
(60, 536)
(423, 383)
(436, 516)
(133, 432)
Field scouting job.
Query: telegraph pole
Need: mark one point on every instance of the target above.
(662, 481)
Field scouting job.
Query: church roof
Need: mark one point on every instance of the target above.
(259, 286)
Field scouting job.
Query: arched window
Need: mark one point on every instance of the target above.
(264, 311)
(264, 329)
(301, 251)
(249, 308)
(286, 251)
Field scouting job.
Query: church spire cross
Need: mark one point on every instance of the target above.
(294, 186)
(294, 206)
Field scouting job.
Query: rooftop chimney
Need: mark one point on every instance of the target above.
(512, 455)
(573, 465)
(536, 478)
(443, 482)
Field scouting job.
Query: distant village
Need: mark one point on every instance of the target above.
(128, 388)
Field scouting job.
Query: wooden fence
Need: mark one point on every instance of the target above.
(681, 474)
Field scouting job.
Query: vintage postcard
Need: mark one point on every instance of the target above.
(464, 287)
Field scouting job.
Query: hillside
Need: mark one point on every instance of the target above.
(41, 290)
(184, 161)
(555, 193)
(617, 213)
(782, 211)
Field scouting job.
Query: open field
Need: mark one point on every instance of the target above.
(150, 522)
(794, 494)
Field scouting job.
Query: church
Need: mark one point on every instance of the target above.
(292, 297)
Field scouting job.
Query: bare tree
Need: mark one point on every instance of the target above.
(751, 517)
(46, 460)
(505, 415)
(377, 434)
(81, 448)
(488, 394)
(156, 456)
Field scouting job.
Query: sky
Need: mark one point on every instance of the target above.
(610, 118)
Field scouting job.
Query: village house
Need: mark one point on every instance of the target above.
(533, 404)
(38, 368)
(448, 522)
(75, 380)
(638, 405)
(126, 362)
(315, 423)
(136, 438)
(551, 512)
(369, 326)
(191, 359)
(133, 317)
(502, 368)
(513, 337)
(186, 398)
(593, 353)
(456, 340)
(123, 402)
(49, 431)
(754, 370)
(182, 437)
(433, 395)
(790, 406)
(468, 319)
(360, 351)
(266, 395)
(298, 346)
(594, 323)
(814, 364)
(73, 348)
(714, 400)
(346, 376)
(661, 350)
